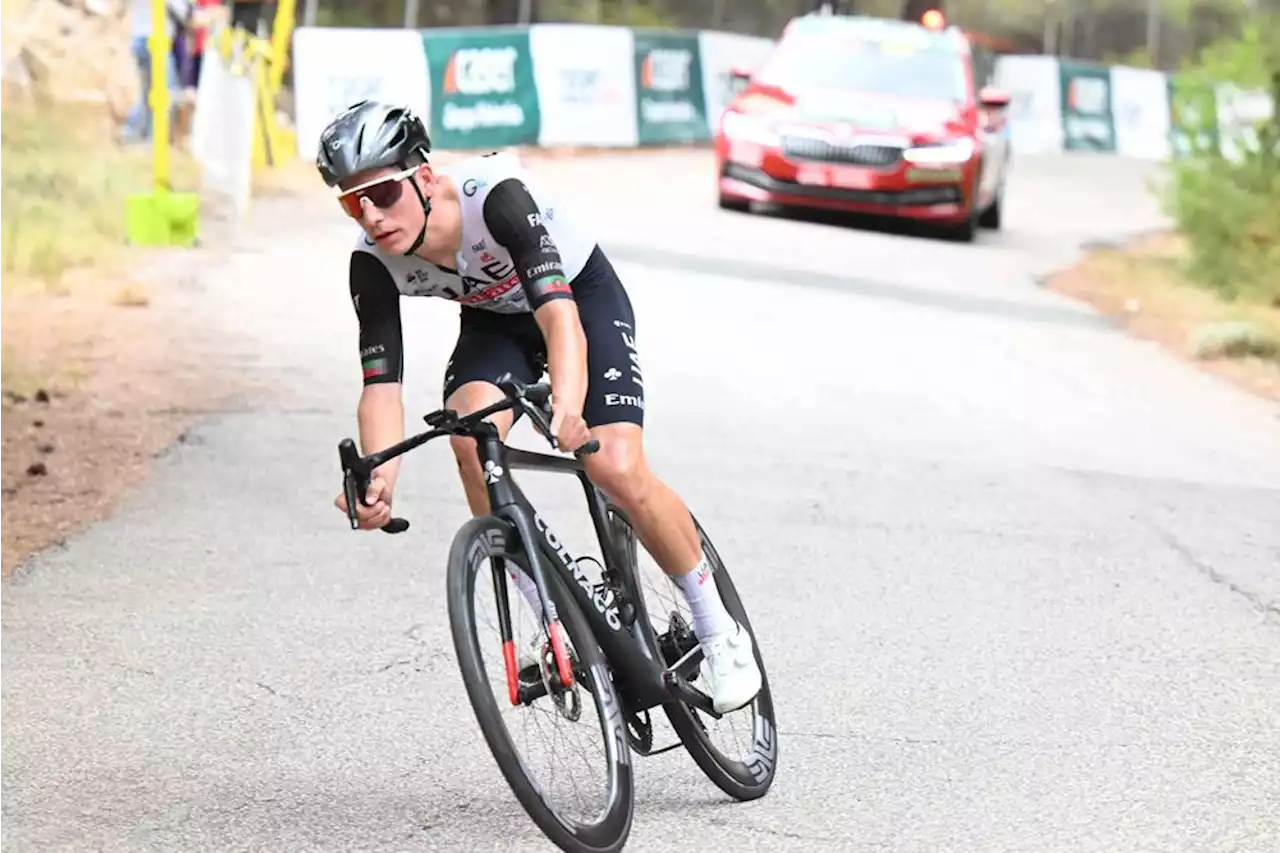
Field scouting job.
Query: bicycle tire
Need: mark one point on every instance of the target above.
(742, 780)
(476, 541)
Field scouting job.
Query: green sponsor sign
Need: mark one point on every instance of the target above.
(670, 105)
(1087, 120)
(482, 89)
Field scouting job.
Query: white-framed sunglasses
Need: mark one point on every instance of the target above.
(382, 192)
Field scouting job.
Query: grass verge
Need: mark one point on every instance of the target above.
(1145, 285)
(62, 212)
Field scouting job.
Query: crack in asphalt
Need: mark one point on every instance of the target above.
(1269, 609)
(739, 823)
(780, 274)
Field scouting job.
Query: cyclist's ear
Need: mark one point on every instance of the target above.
(426, 177)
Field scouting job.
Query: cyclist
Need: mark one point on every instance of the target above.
(536, 293)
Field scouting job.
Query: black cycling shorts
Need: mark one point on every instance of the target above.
(491, 344)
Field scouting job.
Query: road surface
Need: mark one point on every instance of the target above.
(1016, 576)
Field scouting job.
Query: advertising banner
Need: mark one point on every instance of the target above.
(718, 53)
(586, 84)
(1035, 102)
(334, 67)
(1140, 112)
(670, 106)
(482, 88)
(1087, 118)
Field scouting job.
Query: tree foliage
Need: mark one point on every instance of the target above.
(1229, 206)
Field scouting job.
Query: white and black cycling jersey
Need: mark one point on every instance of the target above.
(519, 247)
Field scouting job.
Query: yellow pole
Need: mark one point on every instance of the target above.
(159, 99)
(281, 30)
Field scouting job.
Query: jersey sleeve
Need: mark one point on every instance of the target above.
(377, 305)
(512, 217)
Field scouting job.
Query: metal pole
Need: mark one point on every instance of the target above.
(309, 12)
(410, 14)
(526, 11)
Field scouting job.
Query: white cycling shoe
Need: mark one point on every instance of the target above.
(729, 670)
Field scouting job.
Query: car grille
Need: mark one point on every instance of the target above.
(925, 196)
(858, 153)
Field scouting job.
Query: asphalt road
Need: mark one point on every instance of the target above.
(1017, 577)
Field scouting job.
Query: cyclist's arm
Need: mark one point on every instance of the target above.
(381, 410)
(512, 218)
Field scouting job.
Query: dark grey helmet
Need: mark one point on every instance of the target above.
(371, 135)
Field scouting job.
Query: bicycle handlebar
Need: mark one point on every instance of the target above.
(357, 470)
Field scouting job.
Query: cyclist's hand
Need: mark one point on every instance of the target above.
(569, 429)
(370, 517)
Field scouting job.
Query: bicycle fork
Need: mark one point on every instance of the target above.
(504, 504)
(550, 615)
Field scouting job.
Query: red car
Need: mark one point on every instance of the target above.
(869, 115)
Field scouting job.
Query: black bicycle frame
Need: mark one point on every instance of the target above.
(644, 682)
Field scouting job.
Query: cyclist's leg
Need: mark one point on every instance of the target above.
(487, 347)
(614, 411)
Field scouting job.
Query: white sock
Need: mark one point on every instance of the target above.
(528, 588)
(709, 614)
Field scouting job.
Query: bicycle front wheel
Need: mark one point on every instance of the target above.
(595, 816)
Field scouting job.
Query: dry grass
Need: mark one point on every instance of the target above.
(97, 369)
(1143, 284)
(64, 189)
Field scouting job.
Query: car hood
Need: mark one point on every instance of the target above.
(843, 111)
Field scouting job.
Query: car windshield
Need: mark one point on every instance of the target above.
(907, 67)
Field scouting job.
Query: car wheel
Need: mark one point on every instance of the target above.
(991, 217)
(965, 232)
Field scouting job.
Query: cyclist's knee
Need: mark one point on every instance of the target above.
(469, 398)
(619, 467)
(464, 450)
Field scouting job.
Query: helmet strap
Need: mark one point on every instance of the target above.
(426, 213)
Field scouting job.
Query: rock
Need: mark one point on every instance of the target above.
(72, 52)
(46, 447)
(37, 469)
(42, 396)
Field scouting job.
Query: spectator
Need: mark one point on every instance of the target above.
(138, 125)
(206, 16)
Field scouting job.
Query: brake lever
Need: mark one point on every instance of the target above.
(355, 486)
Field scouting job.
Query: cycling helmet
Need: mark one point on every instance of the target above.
(371, 135)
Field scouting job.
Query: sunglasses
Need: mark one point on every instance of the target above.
(382, 192)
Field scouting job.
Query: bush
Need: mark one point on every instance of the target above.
(1228, 207)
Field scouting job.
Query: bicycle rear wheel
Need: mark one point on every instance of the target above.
(748, 775)
(476, 544)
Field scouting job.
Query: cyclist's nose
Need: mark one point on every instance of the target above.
(370, 214)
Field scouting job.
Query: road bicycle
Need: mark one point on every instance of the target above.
(599, 637)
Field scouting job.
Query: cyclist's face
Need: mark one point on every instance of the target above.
(383, 201)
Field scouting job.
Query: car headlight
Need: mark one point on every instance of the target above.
(947, 153)
(741, 127)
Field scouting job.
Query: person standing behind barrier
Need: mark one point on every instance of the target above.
(205, 16)
(139, 124)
